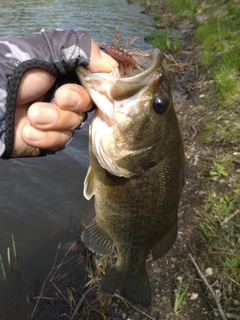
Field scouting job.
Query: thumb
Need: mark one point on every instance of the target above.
(100, 61)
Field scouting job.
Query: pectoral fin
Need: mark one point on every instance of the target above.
(97, 240)
(166, 242)
(88, 190)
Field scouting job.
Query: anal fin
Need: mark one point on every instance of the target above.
(166, 242)
(96, 239)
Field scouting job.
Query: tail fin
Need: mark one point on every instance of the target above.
(134, 289)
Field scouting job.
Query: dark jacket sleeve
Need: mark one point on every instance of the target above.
(58, 52)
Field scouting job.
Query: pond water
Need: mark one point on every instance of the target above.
(41, 199)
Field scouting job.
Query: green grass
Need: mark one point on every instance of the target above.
(223, 126)
(165, 40)
(218, 170)
(221, 235)
(14, 247)
(2, 267)
(8, 258)
(220, 37)
(156, 16)
(183, 7)
(181, 292)
(218, 34)
(220, 228)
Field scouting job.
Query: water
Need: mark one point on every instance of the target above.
(41, 198)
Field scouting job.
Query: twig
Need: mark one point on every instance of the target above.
(136, 308)
(215, 297)
(230, 217)
(233, 316)
(144, 313)
(62, 262)
(195, 124)
(238, 284)
(80, 302)
(230, 316)
(44, 283)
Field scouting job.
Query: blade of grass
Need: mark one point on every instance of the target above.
(14, 247)
(179, 297)
(2, 266)
(9, 258)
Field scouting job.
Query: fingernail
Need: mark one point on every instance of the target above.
(75, 98)
(33, 134)
(109, 59)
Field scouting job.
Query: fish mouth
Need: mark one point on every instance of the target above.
(115, 96)
(120, 88)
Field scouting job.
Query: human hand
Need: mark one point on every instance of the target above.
(41, 125)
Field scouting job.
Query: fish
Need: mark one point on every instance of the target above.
(136, 174)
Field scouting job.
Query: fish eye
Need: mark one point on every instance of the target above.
(160, 105)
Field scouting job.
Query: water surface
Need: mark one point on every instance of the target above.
(41, 198)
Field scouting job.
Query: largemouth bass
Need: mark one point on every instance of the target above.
(136, 174)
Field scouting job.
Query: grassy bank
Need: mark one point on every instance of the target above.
(216, 36)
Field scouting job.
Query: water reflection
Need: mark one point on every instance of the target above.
(41, 199)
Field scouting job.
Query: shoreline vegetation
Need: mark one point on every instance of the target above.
(211, 30)
(200, 278)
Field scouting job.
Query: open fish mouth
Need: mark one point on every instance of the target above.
(120, 88)
(120, 101)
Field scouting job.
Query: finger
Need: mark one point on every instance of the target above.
(45, 139)
(34, 84)
(73, 97)
(71, 102)
(49, 117)
(100, 61)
